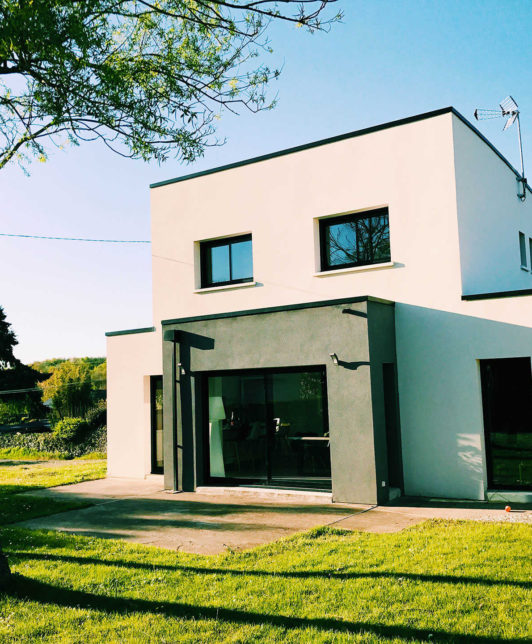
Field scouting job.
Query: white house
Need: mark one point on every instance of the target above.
(352, 315)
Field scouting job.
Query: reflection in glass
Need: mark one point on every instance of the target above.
(157, 423)
(218, 264)
(241, 260)
(269, 427)
(507, 401)
(356, 240)
(227, 261)
(300, 437)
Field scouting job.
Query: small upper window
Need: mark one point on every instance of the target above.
(522, 250)
(355, 240)
(226, 261)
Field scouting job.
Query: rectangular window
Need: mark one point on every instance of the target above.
(530, 249)
(226, 261)
(522, 249)
(355, 240)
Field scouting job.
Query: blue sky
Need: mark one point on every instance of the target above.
(388, 60)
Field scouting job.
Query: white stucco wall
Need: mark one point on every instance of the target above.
(131, 360)
(440, 395)
(454, 222)
(439, 346)
(490, 217)
(409, 168)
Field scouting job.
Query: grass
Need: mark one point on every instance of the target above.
(23, 476)
(30, 454)
(439, 581)
(36, 455)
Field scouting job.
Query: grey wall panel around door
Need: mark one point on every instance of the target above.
(288, 338)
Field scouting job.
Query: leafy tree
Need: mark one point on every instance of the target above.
(69, 388)
(99, 376)
(15, 376)
(147, 77)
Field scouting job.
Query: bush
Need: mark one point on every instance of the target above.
(93, 441)
(70, 429)
(97, 415)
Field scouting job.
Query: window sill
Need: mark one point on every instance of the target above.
(525, 268)
(355, 269)
(226, 287)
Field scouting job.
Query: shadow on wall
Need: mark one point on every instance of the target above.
(440, 396)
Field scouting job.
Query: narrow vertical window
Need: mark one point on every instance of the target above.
(530, 249)
(522, 249)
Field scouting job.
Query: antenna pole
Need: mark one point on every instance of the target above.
(521, 196)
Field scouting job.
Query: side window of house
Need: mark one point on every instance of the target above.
(226, 261)
(522, 251)
(355, 240)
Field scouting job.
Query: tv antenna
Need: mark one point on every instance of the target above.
(508, 109)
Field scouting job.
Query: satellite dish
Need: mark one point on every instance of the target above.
(508, 109)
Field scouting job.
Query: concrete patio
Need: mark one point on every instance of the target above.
(212, 521)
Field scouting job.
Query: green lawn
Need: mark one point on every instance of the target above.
(440, 581)
(23, 476)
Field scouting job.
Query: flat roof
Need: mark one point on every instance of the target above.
(342, 137)
(279, 309)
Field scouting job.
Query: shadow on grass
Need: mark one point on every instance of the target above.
(30, 589)
(297, 574)
(10, 463)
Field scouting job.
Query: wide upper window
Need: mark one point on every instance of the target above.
(226, 261)
(355, 240)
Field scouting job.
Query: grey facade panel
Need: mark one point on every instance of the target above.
(289, 338)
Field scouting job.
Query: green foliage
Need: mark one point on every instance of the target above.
(25, 453)
(8, 340)
(99, 375)
(14, 376)
(147, 78)
(70, 429)
(69, 388)
(97, 415)
(94, 440)
(47, 366)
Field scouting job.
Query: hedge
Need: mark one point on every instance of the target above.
(93, 441)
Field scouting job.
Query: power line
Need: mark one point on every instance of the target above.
(82, 239)
(72, 383)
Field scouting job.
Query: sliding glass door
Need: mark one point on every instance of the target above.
(507, 402)
(269, 427)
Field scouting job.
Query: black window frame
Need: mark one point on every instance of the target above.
(206, 246)
(268, 481)
(326, 222)
(155, 383)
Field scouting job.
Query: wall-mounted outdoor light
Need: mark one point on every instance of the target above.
(334, 358)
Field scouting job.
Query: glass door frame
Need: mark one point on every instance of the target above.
(488, 423)
(154, 380)
(267, 481)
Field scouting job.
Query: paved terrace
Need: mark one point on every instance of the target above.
(210, 521)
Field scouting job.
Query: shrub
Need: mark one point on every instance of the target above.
(97, 415)
(92, 441)
(70, 429)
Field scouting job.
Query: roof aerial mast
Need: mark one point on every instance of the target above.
(508, 108)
